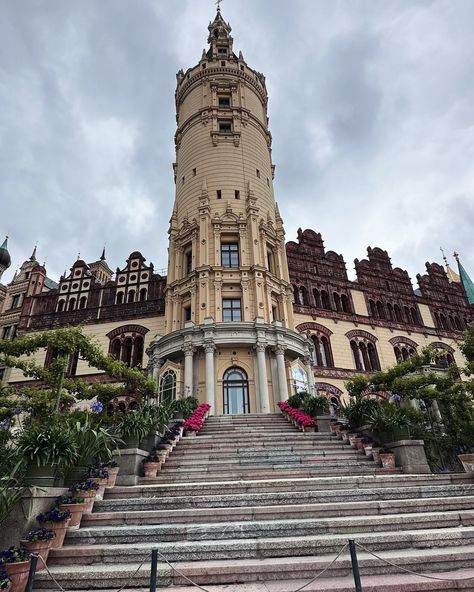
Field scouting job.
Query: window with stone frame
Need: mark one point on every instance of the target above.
(230, 254)
(364, 351)
(231, 309)
(127, 343)
(322, 353)
(167, 387)
(16, 301)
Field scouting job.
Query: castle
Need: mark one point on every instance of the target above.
(242, 318)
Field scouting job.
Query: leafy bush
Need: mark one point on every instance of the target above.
(48, 445)
(357, 411)
(298, 399)
(134, 424)
(314, 406)
(93, 441)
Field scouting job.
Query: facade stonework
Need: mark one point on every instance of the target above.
(242, 318)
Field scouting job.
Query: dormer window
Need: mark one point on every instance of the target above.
(222, 51)
(225, 127)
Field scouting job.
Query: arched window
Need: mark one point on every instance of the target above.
(373, 357)
(444, 322)
(116, 348)
(380, 310)
(346, 307)
(405, 354)
(364, 353)
(337, 301)
(235, 391)
(167, 388)
(325, 300)
(119, 297)
(83, 302)
(322, 355)
(398, 313)
(131, 296)
(61, 304)
(295, 295)
(138, 352)
(127, 351)
(316, 298)
(414, 316)
(398, 354)
(373, 308)
(390, 311)
(72, 304)
(302, 295)
(457, 322)
(356, 356)
(407, 314)
(143, 295)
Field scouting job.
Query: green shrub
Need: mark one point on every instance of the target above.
(357, 411)
(314, 406)
(297, 400)
(48, 445)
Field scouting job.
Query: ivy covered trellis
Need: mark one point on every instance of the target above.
(53, 390)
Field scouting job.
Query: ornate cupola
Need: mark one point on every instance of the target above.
(5, 259)
(228, 295)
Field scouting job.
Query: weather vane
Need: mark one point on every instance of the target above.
(218, 3)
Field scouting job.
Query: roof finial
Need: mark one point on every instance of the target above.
(444, 256)
(5, 243)
(218, 3)
(78, 256)
(102, 257)
(456, 256)
(33, 254)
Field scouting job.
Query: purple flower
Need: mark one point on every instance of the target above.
(97, 407)
(5, 425)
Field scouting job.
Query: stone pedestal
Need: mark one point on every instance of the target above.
(130, 461)
(323, 423)
(22, 519)
(410, 456)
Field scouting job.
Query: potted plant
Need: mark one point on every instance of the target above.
(16, 563)
(39, 541)
(57, 520)
(387, 458)
(46, 449)
(100, 475)
(376, 454)
(368, 448)
(133, 427)
(113, 470)
(5, 582)
(152, 464)
(86, 489)
(75, 504)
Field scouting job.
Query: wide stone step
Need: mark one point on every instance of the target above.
(257, 463)
(261, 447)
(127, 515)
(189, 453)
(257, 436)
(242, 500)
(219, 532)
(316, 484)
(273, 547)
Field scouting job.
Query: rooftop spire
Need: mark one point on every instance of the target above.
(466, 281)
(5, 243)
(102, 257)
(452, 275)
(33, 254)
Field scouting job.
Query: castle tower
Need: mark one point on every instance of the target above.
(5, 259)
(229, 315)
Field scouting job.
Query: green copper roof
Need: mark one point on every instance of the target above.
(467, 283)
(4, 244)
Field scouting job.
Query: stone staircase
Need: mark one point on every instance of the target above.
(251, 504)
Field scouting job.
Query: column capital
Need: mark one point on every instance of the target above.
(188, 349)
(209, 347)
(279, 350)
(308, 361)
(260, 346)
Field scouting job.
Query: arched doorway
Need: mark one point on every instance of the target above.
(236, 392)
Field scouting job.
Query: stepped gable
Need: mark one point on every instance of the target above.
(376, 272)
(253, 503)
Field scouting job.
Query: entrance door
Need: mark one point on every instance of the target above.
(236, 392)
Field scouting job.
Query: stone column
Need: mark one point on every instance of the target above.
(262, 378)
(309, 372)
(281, 369)
(188, 350)
(210, 349)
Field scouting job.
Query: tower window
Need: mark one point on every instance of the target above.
(231, 309)
(219, 194)
(187, 313)
(224, 102)
(204, 66)
(222, 51)
(242, 68)
(225, 127)
(183, 180)
(222, 64)
(268, 181)
(258, 173)
(237, 194)
(230, 254)
(188, 261)
(194, 172)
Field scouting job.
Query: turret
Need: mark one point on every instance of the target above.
(5, 259)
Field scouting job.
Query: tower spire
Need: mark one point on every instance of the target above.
(466, 281)
(452, 275)
(102, 257)
(33, 254)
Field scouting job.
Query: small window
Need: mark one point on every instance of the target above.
(230, 254)
(16, 301)
(222, 64)
(225, 127)
(268, 181)
(204, 66)
(258, 173)
(270, 261)
(120, 298)
(189, 262)
(83, 302)
(183, 180)
(131, 296)
(27, 275)
(242, 68)
(231, 310)
(194, 172)
(224, 102)
(222, 51)
(6, 332)
(187, 313)
(237, 194)
(274, 313)
(142, 297)
(219, 194)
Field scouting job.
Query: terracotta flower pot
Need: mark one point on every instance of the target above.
(368, 450)
(360, 444)
(99, 494)
(18, 574)
(388, 460)
(344, 435)
(352, 440)
(113, 472)
(76, 514)
(39, 548)
(467, 462)
(60, 528)
(309, 429)
(376, 455)
(190, 433)
(89, 499)
(151, 468)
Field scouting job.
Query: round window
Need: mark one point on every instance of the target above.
(121, 279)
(133, 278)
(75, 286)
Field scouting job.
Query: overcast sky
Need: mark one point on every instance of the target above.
(371, 110)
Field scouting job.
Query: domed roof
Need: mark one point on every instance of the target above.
(5, 259)
(136, 255)
(79, 263)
